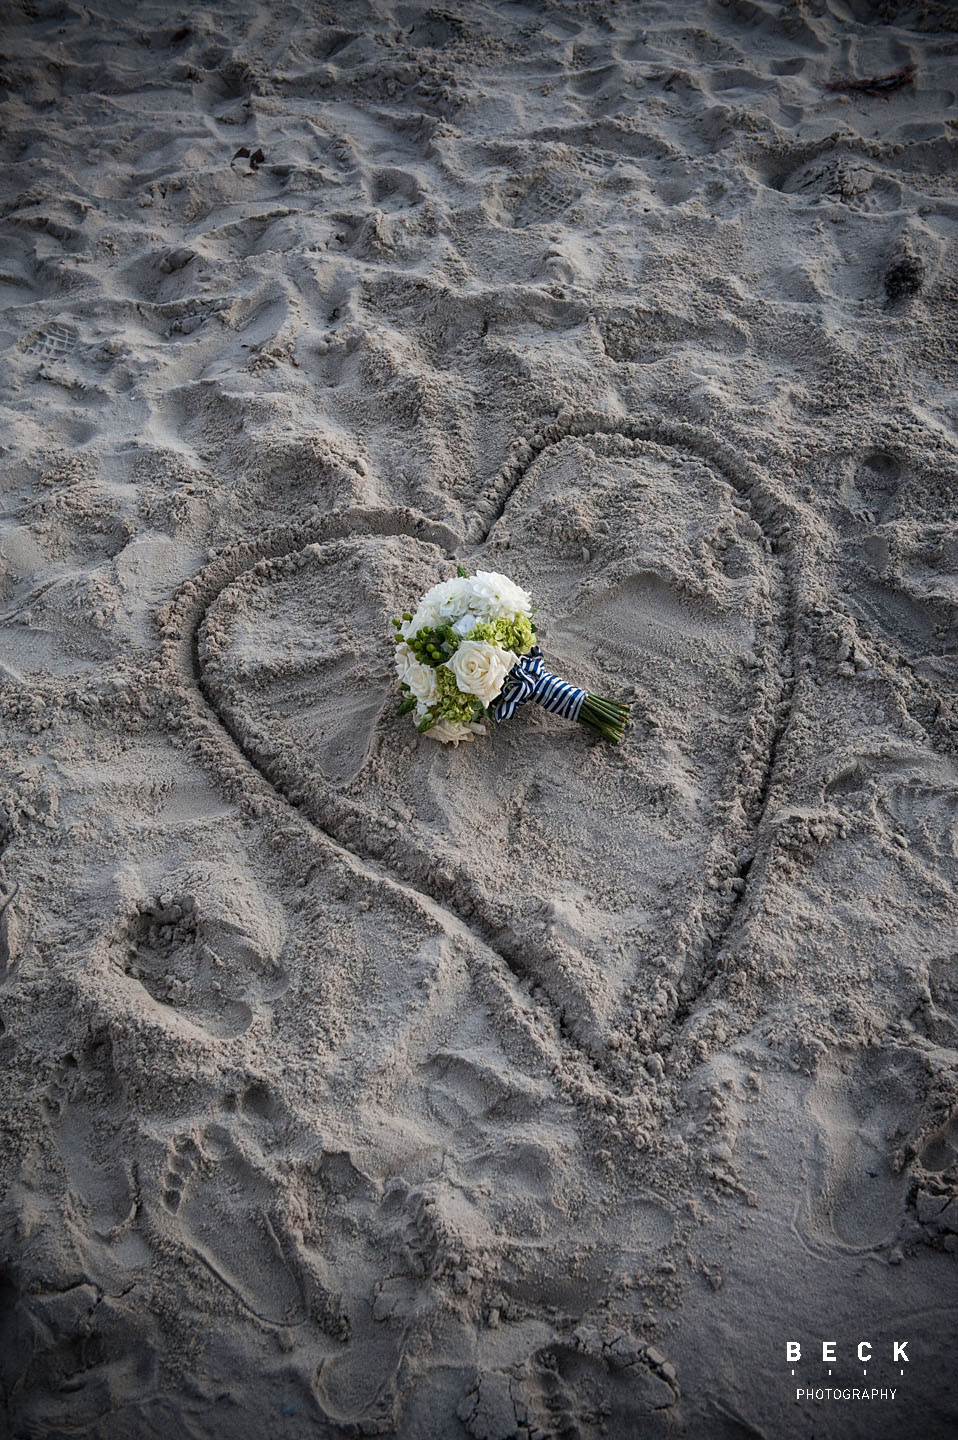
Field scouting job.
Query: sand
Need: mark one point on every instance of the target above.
(357, 1085)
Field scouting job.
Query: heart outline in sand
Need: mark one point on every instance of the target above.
(190, 648)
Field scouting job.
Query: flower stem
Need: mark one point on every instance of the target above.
(607, 718)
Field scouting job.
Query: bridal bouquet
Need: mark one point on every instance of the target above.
(470, 653)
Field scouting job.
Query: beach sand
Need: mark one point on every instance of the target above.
(354, 1084)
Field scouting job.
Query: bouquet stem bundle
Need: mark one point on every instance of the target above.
(607, 718)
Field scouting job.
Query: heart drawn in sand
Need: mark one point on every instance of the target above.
(603, 878)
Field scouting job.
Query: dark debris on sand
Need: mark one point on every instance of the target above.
(904, 277)
(880, 86)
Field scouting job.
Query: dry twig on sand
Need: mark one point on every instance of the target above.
(880, 86)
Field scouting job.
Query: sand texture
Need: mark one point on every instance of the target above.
(356, 1085)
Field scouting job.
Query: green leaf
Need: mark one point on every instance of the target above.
(463, 573)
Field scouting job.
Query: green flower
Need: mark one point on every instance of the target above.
(453, 704)
(516, 635)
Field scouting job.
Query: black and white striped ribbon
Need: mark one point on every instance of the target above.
(530, 680)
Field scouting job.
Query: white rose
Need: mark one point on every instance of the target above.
(420, 678)
(480, 668)
(447, 731)
(451, 731)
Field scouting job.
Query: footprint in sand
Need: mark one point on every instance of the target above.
(904, 584)
(51, 341)
(921, 800)
(936, 1195)
(86, 1106)
(868, 1106)
(222, 1207)
(204, 968)
(551, 1391)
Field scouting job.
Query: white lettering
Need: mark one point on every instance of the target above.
(833, 1392)
(863, 1346)
(900, 1350)
(828, 1349)
(793, 1350)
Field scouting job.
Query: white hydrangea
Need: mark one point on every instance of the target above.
(487, 595)
(465, 625)
(442, 604)
(496, 597)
